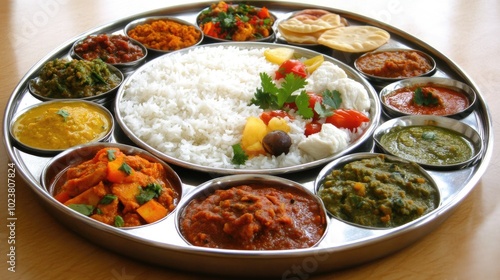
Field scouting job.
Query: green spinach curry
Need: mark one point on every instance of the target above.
(377, 192)
(75, 78)
(427, 144)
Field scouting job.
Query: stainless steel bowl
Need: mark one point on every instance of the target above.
(102, 98)
(122, 65)
(53, 173)
(148, 20)
(433, 81)
(223, 183)
(59, 103)
(467, 132)
(269, 38)
(387, 80)
(341, 162)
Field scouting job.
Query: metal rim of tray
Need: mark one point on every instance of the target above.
(273, 263)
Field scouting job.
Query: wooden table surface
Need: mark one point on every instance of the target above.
(465, 246)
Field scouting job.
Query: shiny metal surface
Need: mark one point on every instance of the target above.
(344, 244)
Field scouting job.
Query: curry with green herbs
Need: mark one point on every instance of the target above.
(378, 192)
(75, 78)
(428, 144)
(118, 189)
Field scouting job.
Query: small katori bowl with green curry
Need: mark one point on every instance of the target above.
(63, 78)
(434, 142)
(376, 191)
(50, 127)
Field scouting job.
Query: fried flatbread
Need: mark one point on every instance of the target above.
(310, 24)
(354, 39)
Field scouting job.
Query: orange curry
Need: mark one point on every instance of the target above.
(394, 64)
(254, 217)
(166, 35)
(118, 189)
(448, 101)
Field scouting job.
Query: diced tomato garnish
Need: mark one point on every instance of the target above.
(347, 118)
(268, 115)
(291, 66)
(263, 13)
(312, 128)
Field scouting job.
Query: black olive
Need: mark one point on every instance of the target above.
(277, 142)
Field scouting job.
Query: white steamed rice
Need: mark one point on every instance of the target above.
(193, 106)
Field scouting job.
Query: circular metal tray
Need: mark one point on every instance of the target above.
(345, 245)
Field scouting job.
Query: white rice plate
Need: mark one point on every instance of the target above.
(193, 106)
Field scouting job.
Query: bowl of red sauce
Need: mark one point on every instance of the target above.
(164, 34)
(115, 49)
(252, 212)
(435, 96)
(389, 65)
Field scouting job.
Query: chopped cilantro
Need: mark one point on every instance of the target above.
(119, 222)
(84, 209)
(107, 199)
(239, 156)
(302, 102)
(125, 168)
(424, 98)
(63, 113)
(111, 154)
(270, 96)
(332, 98)
(149, 192)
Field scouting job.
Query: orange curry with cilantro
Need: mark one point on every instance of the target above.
(118, 189)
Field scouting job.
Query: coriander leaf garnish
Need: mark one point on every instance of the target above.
(266, 96)
(424, 98)
(125, 168)
(239, 156)
(322, 110)
(107, 199)
(84, 209)
(291, 84)
(332, 98)
(269, 96)
(111, 154)
(302, 102)
(151, 191)
(119, 222)
(63, 113)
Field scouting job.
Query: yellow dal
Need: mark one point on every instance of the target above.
(44, 127)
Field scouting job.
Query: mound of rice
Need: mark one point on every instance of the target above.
(193, 106)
